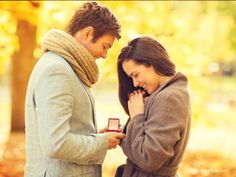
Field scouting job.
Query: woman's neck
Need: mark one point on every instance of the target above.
(164, 79)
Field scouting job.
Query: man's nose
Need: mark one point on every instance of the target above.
(104, 54)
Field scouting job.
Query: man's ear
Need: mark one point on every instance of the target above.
(88, 33)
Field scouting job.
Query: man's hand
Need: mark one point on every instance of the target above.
(114, 139)
(103, 130)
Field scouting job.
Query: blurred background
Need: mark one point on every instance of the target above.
(200, 37)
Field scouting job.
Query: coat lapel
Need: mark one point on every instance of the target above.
(150, 99)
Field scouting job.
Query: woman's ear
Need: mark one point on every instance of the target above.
(88, 33)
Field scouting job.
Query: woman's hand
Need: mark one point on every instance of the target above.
(136, 103)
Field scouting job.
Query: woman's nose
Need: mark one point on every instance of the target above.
(135, 82)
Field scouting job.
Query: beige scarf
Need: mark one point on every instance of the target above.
(79, 58)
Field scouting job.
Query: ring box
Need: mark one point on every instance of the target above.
(113, 125)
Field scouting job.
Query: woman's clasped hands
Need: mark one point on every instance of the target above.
(136, 103)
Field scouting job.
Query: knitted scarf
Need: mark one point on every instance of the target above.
(79, 58)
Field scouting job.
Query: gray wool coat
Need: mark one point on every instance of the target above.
(61, 139)
(156, 140)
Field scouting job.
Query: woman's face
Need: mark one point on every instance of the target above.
(142, 76)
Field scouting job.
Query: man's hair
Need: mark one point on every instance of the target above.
(99, 17)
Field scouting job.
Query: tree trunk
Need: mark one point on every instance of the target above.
(22, 64)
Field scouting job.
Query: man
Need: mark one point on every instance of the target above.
(61, 132)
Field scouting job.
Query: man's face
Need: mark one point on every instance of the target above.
(99, 49)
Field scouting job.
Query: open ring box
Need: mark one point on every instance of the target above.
(113, 125)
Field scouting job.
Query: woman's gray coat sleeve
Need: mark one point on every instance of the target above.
(150, 140)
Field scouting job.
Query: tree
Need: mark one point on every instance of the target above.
(22, 64)
(25, 15)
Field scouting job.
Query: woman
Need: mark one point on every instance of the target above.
(158, 128)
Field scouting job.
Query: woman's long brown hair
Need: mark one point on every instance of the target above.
(144, 51)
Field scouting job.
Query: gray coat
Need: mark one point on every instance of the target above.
(61, 139)
(156, 140)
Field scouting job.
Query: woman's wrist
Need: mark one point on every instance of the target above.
(135, 115)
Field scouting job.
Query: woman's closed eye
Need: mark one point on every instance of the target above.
(135, 75)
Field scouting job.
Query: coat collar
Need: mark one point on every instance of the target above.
(178, 77)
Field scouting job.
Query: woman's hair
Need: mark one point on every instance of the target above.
(99, 17)
(144, 51)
